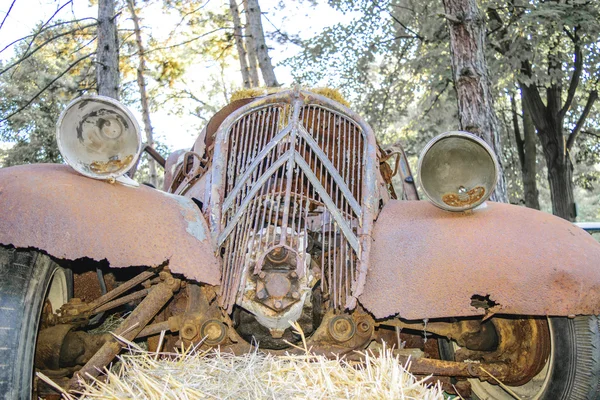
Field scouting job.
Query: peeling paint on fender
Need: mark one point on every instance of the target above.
(52, 208)
(430, 263)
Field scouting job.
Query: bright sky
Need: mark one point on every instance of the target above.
(299, 18)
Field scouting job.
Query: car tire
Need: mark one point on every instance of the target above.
(27, 279)
(572, 371)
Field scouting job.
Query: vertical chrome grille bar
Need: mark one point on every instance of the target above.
(282, 203)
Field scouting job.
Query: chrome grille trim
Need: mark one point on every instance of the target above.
(283, 164)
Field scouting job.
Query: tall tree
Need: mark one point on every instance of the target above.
(107, 53)
(254, 16)
(251, 50)
(141, 81)
(553, 46)
(469, 69)
(239, 42)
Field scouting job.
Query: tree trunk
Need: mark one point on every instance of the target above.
(549, 122)
(107, 53)
(251, 49)
(529, 161)
(560, 177)
(142, 87)
(264, 61)
(560, 173)
(239, 42)
(469, 70)
(527, 153)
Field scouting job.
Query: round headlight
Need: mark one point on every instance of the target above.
(99, 137)
(457, 171)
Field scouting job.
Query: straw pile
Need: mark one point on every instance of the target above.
(195, 374)
(219, 375)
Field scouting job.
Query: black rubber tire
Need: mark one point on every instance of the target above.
(24, 280)
(575, 360)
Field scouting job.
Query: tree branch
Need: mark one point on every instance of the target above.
(437, 97)
(187, 41)
(46, 29)
(8, 12)
(531, 95)
(47, 22)
(46, 87)
(577, 69)
(27, 55)
(421, 38)
(586, 110)
(591, 134)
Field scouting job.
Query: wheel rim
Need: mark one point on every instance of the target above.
(57, 293)
(532, 390)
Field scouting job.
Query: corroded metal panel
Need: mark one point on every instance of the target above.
(69, 216)
(429, 263)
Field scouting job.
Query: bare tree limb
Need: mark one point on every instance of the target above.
(47, 22)
(597, 135)
(421, 38)
(586, 110)
(46, 87)
(437, 97)
(8, 12)
(185, 15)
(29, 54)
(187, 41)
(575, 78)
(46, 29)
(569, 34)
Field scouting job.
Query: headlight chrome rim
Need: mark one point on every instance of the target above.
(467, 136)
(120, 166)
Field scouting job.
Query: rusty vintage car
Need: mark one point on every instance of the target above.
(284, 212)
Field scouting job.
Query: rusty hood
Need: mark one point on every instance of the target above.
(430, 263)
(52, 208)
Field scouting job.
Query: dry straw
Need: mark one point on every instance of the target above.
(220, 375)
(195, 374)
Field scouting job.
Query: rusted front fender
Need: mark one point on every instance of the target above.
(429, 263)
(52, 208)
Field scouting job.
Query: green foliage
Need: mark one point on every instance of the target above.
(31, 130)
(392, 60)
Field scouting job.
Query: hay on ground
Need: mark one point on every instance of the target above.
(221, 375)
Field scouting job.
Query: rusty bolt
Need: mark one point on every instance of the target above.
(278, 304)
(261, 294)
(213, 331)
(364, 326)
(295, 295)
(262, 275)
(278, 255)
(189, 331)
(293, 275)
(342, 328)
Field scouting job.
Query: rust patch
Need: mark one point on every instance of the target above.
(464, 199)
(100, 167)
(428, 263)
(53, 208)
(87, 286)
